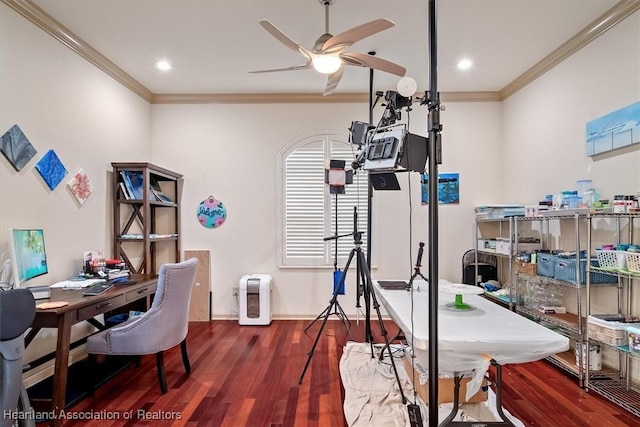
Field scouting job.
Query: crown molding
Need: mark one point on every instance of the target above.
(608, 20)
(40, 18)
(303, 98)
(46, 22)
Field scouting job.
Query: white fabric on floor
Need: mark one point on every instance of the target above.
(372, 397)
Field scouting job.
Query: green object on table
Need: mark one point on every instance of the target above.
(459, 304)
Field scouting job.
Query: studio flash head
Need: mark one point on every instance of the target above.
(358, 132)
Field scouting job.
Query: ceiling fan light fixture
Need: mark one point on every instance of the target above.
(326, 64)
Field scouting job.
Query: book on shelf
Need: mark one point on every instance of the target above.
(125, 193)
(127, 184)
(157, 191)
(138, 236)
(134, 183)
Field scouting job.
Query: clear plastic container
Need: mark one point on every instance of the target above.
(586, 192)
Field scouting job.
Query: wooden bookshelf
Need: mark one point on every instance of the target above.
(146, 228)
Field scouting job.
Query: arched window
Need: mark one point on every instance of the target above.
(309, 210)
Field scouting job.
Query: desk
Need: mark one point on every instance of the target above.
(81, 308)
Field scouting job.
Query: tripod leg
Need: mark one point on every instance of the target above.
(383, 330)
(334, 301)
(320, 316)
(343, 316)
(362, 281)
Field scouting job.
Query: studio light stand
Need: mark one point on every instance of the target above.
(363, 281)
(334, 307)
(432, 100)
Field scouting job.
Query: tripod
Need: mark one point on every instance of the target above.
(334, 307)
(338, 288)
(416, 273)
(416, 269)
(363, 281)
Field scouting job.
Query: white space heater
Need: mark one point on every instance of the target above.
(255, 299)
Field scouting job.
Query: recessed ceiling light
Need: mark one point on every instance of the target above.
(465, 64)
(163, 65)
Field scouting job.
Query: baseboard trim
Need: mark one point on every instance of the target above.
(294, 317)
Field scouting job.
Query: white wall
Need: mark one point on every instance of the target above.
(544, 134)
(61, 101)
(231, 152)
(544, 126)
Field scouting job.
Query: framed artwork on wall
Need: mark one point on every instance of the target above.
(448, 188)
(80, 187)
(51, 169)
(615, 130)
(16, 148)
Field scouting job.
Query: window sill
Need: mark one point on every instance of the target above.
(317, 267)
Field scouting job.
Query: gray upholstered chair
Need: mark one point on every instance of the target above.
(17, 311)
(164, 326)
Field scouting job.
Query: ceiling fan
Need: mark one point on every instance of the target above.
(327, 55)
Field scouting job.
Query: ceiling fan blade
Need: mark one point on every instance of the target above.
(364, 60)
(355, 34)
(284, 39)
(295, 67)
(332, 81)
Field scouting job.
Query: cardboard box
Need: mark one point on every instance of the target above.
(445, 385)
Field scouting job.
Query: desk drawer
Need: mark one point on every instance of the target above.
(140, 293)
(100, 307)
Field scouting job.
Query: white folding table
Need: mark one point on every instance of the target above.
(468, 341)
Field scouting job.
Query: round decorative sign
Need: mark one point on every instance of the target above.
(211, 213)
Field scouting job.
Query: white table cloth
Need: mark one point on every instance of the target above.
(467, 340)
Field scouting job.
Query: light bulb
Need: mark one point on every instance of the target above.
(163, 65)
(465, 64)
(326, 64)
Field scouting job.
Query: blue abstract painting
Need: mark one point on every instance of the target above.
(448, 188)
(615, 130)
(51, 169)
(17, 148)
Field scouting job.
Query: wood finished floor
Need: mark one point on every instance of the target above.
(248, 376)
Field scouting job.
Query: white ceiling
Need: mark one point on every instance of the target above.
(212, 44)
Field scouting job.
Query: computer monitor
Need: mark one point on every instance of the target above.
(28, 255)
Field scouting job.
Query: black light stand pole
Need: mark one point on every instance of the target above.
(368, 337)
(434, 128)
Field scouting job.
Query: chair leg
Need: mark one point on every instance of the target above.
(137, 360)
(161, 378)
(185, 356)
(91, 378)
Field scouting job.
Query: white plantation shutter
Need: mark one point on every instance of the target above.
(304, 204)
(309, 208)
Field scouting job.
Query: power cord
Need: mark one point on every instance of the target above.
(413, 288)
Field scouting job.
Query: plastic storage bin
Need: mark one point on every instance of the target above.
(633, 261)
(613, 332)
(615, 260)
(546, 264)
(633, 334)
(565, 270)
